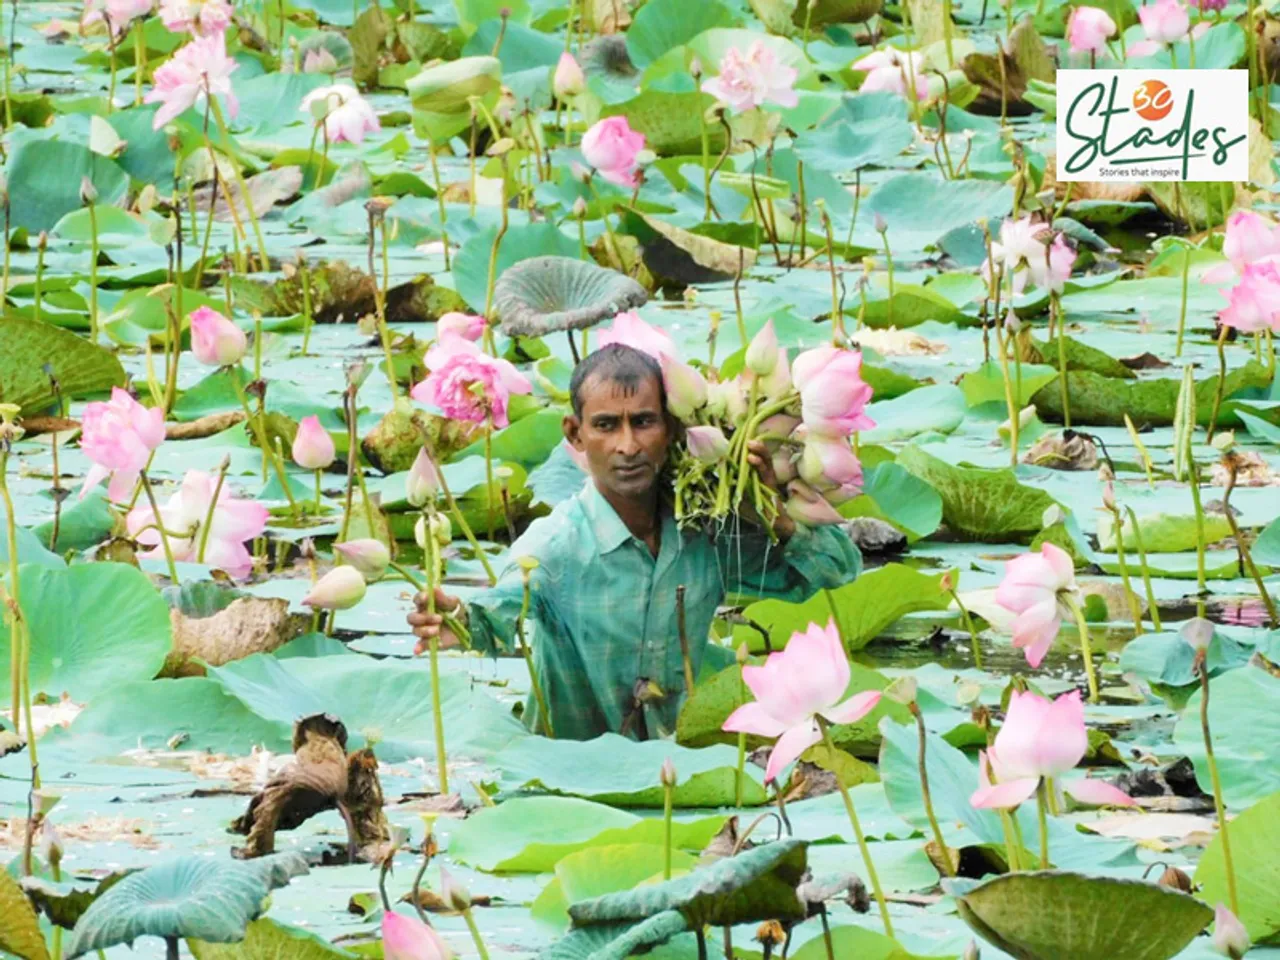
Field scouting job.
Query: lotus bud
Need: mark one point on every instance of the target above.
(686, 388)
(500, 147)
(971, 952)
(1224, 441)
(903, 690)
(88, 192)
(1198, 634)
(968, 693)
(454, 893)
(1105, 473)
(806, 506)
(881, 224)
(527, 566)
(423, 482)
(580, 209)
(725, 400)
(42, 240)
(215, 340)
(778, 382)
(948, 581)
(408, 938)
(1109, 495)
(1175, 878)
(307, 549)
(1052, 514)
(369, 556)
(762, 353)
(50, 845)
(312, 446)
(569, 80)
(695, 68)
(784, 464)
(1230, 938)
(1012, 324)
(339, 589)
(707, 444)
(742, 653)
(667, 775)
(442, 527)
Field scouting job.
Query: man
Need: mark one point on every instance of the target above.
(610, 559)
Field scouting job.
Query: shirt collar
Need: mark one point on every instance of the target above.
(609, 530)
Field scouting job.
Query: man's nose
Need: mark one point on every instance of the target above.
(627, 443)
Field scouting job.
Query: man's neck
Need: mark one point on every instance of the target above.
(638, 514)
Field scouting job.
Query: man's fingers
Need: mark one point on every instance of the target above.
(423, 619)
(446, 602)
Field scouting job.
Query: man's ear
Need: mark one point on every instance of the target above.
(572, 428)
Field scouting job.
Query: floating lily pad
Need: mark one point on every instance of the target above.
(20, 933)
(1038, 916)
(80, 367)
(1255, 837)
(544, 294)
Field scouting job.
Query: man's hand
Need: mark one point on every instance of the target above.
(427, 625)
(760, 461)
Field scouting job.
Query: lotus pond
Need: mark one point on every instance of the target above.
(213, 410)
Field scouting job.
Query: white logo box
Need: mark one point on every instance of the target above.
(1129, 126)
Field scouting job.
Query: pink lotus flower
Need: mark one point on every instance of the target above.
(630, 331)
(808, 507)
(215, 340)
(888, 70)
(727, 400)
(1165, 21)
(611, 147)
(568, 81)
(119, 436)
(1089, 29)
(762, 351)
(367, 555)
(184, 516)
(339, 589)
(686, 388)
(1019, 246)
(199, 70)
(753, 80)
(1249, 239)
(1052, 269)
(347, 116)
(1230, 936)
(408, 938)
(829, 462)
(833, 396)
(319, 60)
(464, 325)
(1254, 302)
(312, 446)
(707, 444)
(468, 384)
(422, 483)
(117, 13)
(200, 17)
(1036, 586)
(804, 681)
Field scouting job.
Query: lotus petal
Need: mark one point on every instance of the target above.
(544, 294)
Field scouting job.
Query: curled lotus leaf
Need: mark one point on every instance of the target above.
(544, 294)
(607, 66)
(1056, 915)
(756, 885)
(212, 900)
(442, 94)
(314, 47)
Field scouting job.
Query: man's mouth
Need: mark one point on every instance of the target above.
(631, 470)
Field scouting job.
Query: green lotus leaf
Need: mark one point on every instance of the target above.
(1055, 915)
(212, 900)
(616, 941)
(79, 366)
(755, 885)
(544, 294)
(610, 74)
(440, 94)
(825, 12)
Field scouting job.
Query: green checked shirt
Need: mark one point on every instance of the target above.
(605, 607)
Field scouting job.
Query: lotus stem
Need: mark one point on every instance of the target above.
(1008, 395)
(837, 315)
(471, 920)
(1245, 556)
(1042, 817)
(444, 216)
(171, 948)
(947, 29)
(525, 652)
(1135, 609)
(943, 852)
(380, 297)
(8, 246)
(111, 54)
(307, 319)
(324, 155)
(244, 190)
(174, 316)
(488, 474)
(208, 517)
(1142, 451)
(257, 336)
(93, 273)
(684, 641)
(1201, 578)
(1182, 310)
(614, 252)
(1146, 571)
(1086, 650)
(1222, 383)
(466, 528)
(14, 598)
(311, 153)
(259, 429)
(973, 631)
(431, 576)
(857, 831)
(705, 136)
(1055, 309)
(1012, 854)
(1219, 806)
(804, 208)
(164, 536)
(139, 56)
(349, 410)
(493, 263)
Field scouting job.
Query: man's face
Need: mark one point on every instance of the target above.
(624, 433)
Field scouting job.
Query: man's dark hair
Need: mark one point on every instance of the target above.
(615, 363)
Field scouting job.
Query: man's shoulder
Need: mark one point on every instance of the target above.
(555, 536)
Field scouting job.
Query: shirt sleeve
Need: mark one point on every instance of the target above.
(812, 559)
